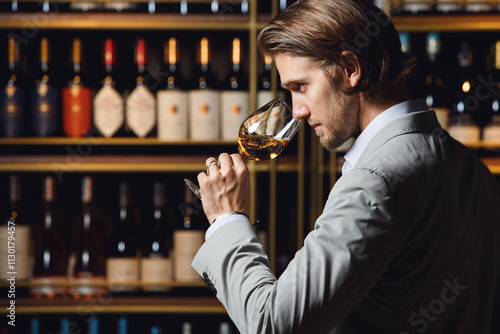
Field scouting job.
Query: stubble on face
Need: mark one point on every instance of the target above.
(341, 121)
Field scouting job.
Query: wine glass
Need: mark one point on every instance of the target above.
(265, 133)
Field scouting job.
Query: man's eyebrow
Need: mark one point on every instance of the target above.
(287, 83)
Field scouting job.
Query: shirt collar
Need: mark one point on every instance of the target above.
(354, 153)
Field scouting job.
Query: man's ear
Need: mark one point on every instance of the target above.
(351, 67)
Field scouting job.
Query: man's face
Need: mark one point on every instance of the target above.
(328, 110)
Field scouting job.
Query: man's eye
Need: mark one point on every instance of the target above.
(301, 87)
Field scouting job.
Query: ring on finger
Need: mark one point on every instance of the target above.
(213, 162)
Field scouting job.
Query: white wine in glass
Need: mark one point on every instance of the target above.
(267, 131)
(264, 134)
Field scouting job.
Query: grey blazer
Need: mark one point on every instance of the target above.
(409, 242)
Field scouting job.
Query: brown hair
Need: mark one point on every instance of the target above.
(322, 29)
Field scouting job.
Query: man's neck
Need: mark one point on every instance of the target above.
(382, 100)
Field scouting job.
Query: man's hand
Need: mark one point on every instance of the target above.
(225, 186)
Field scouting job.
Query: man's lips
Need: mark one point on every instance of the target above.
(315, 126)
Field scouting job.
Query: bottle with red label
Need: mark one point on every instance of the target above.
(76, 99)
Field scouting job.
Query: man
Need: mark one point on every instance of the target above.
(409, 238)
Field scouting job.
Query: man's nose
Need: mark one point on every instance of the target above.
(300, 111)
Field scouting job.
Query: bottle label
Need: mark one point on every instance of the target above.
(11, 111)
(108, 111)
(235, 109)
(263, 97)
(466, 134)
(23, 259)
(491, 133)
(76, 111)
(141, 111)
(122, 271)
(204, 114)
(156, 270)
(442, 117)
(44, 111)
(186, 245)
(448, 5)
(172, 115)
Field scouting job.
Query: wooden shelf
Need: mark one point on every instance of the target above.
(447, 22)
(108, 141)
(137, 284)
(118, 304)
(127, 21)
(122, 163)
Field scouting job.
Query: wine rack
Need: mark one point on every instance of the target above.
(326, 167)
(311, 170)
(134, 157)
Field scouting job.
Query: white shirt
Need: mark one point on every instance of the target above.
(354, 153)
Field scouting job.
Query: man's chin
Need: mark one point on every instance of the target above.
(330, 144)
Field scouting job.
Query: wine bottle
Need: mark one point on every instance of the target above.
(156, 264)
(88, 271)
(462, 126)
(122, 264)
(122, 326)
(120, 5)
(44, 97)
(108, 103)
(35, 326)
(141, 104)
(64, 325)
(12, 96)
(188, 238)
(417, 6)
(435, 93)
(172, 99)
(187, 327)
(224, 328)
(76, 98)
(51, 257)
(204, 98)
(476, 6)
(155, 330)
(15, 235)
(234, 98)
(447, 6)
(264, 92)
(93, 327)
(491, 132)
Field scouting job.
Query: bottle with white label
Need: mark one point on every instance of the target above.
(141, 103)
(108, 103)
(122, 264)
(172, 99)
(156, 263)
(188, 237)
(234, 98)
(15, 238)
(204, 99)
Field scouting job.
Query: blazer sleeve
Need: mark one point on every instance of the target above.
(342, 258)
